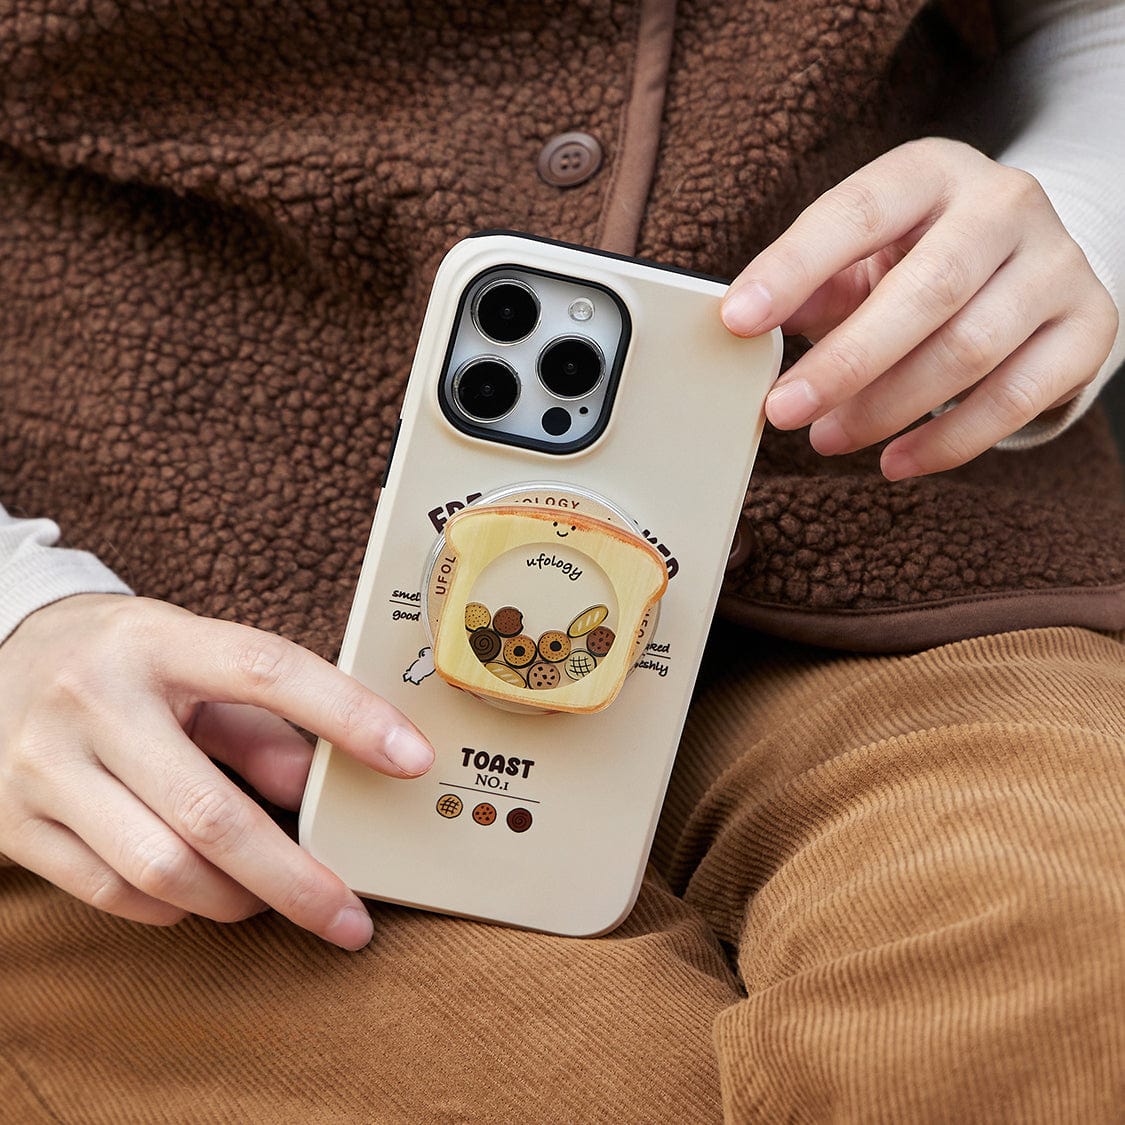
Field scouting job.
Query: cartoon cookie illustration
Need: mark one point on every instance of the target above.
(599, 640)
(450, 806)
(507, 621)
(518, 651)
(485, 644)
(588, 619)
(554, 646)
(519, 820)
(508, 675)
(580, 663)
(477, 617)
(484, 813)
(543, 676)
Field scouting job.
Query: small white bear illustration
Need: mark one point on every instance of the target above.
(421, 668)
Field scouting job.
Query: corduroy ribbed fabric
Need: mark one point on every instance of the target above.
(915, 864)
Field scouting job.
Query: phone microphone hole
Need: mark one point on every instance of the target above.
(556, 421)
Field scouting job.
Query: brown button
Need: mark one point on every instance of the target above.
(570, 159)
(742, 545)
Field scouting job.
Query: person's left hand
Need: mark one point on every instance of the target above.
(932, 274)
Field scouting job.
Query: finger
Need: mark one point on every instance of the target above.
(841, 295)
(258, 746)
(140, 847)
(222, 824)
(873, 207)
(1007, 310)
(228, 663)
(55, 853)
(930, 285)
(1020, 389)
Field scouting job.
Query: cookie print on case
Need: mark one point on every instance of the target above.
(600, 640)
(521, 662)
(485, 644)
(579, 664)
(508, 621)
(519, 820)
(519, 651)
(484, 813)
(477, 617)
(554, 646)
(450, 806)
(543, 676)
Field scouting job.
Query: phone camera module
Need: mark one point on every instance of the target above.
(571, 367)
(486, 389)
(507, 311)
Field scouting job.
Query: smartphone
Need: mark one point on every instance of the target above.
(574, 449)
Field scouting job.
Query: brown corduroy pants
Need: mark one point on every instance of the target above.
(884, 889)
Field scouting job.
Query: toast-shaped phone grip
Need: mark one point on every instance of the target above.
(551, 559)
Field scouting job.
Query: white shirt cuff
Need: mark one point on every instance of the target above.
(35, 573)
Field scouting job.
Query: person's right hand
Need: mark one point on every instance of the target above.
(112, 709)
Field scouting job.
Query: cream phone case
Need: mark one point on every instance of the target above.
(564, 598)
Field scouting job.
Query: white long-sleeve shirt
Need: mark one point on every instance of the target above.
(1057, 107)
(1058, 103)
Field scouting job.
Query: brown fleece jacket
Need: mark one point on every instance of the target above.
(219, 221)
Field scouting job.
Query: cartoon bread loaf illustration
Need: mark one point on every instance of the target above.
(587, 620)
(491, 651)
(507, 673)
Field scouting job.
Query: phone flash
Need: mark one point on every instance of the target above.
(581, 309)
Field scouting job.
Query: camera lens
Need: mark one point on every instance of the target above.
(571, 367)
(507, 311)
(486, 389)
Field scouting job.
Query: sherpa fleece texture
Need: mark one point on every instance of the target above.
(218, 224)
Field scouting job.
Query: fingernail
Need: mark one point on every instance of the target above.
(351, 928)
(745, 309)
(792, 404)
(408, 751)
(827, 436)
(898, 465)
